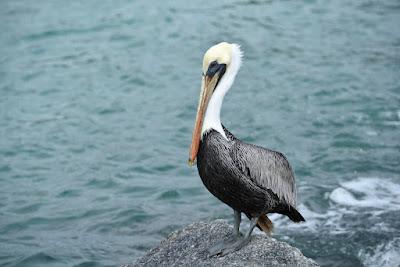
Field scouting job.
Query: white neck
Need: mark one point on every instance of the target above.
(212, 118)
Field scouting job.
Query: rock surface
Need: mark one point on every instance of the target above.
(188, 247)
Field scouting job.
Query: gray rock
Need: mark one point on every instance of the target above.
(188, 247)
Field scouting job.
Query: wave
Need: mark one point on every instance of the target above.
(364, 209)
(360, 196)
(384, 255)
(373, 193)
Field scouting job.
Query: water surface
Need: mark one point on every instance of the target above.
(97, 105)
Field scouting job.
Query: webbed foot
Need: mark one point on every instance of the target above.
(223, 249)
(220, 246)
(235, 243)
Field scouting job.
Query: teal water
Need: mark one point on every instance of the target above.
(97, 105)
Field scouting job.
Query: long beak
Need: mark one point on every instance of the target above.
(207, 88)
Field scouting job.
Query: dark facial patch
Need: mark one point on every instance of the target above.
(214, 68)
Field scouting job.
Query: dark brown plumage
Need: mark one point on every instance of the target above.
(248, 178)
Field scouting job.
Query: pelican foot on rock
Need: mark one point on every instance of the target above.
(233, 244)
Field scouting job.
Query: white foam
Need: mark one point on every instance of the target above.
(385, 255)
(374, 193)
(379, 195)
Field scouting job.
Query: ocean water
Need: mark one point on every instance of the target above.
(97, 105)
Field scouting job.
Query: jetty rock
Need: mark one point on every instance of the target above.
(188, 247)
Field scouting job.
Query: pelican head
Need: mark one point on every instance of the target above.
(220, 65)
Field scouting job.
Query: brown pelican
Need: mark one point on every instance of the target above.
(250, 179)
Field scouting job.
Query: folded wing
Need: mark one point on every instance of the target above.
(266, 168)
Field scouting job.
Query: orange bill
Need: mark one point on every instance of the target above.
(207, 88)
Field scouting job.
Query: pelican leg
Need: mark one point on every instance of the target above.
(220, 246)
(234, 246)
(242, 242)
(238, 219)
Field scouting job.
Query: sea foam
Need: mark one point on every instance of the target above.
(375, 193)
(384, 255)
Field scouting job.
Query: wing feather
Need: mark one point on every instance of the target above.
(266, 168)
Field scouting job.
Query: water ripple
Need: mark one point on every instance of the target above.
(97, 106)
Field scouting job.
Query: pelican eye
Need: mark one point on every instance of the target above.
(213, 68)
(213, 64)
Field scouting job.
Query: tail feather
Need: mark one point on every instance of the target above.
(265, 224)
(294, 215)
